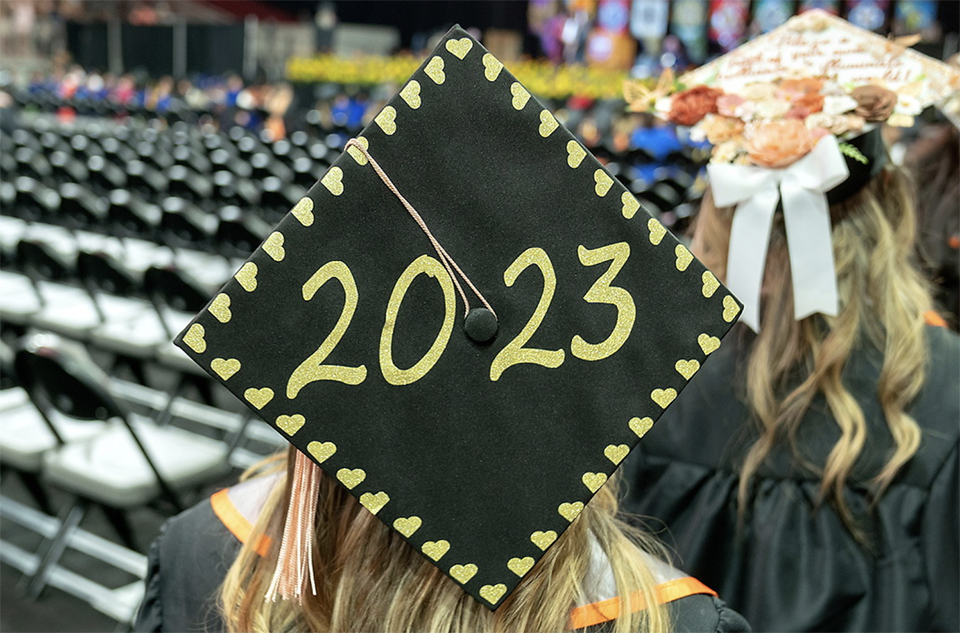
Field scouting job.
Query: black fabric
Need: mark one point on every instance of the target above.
(186, 565)
(188, 561)
(794, 568)
(482, 461)
(863, 168)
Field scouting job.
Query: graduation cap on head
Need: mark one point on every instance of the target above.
(794, 119)
(467, 321)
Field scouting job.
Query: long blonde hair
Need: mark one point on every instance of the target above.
(369, 579)
(883, 298)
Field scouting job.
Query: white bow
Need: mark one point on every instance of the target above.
(802, 187)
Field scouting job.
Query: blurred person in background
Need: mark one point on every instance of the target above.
(822, 494)
(810, 471)
(935, 162)
(24, 17)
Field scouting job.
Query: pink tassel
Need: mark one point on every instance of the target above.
(295, 565)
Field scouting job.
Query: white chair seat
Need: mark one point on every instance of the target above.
(56, 237)
(139, 255)
(141, 336)
(25, 436)
(98, 243)
(19, 307)
(76, 321)
(12, 283)
(11, 230)
(112, 470)
(211, 271)
(174, 357)
(12, 398)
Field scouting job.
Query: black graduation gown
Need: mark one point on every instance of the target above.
(792, 567)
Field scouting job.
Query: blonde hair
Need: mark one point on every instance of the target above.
(883, 298)
(370, 579)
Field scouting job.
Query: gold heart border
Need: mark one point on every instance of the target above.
(598, 177)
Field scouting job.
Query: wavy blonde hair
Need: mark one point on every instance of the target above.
(883, 298)
(370, 579)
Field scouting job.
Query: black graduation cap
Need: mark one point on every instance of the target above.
(345, 331)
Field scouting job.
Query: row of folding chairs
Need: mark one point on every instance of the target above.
(208, 169)
(67, 424)
(237, 168)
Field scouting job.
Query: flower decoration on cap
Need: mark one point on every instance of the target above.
(776, 123)
(691, 106)
(817, 69)
(793, 119)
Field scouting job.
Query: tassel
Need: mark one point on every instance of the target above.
(295, 565)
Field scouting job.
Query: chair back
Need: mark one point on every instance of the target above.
(101, 271)
(8, 375)
(183, 225)
(239, 234)
(60, 376)
(79, 207)
(40, 261)
(131, 217)
(174, 288)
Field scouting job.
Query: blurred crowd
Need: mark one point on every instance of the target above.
(640, 149)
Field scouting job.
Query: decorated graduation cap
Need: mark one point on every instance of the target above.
(467, 322)
(793, 117)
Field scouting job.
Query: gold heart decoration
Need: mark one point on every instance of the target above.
(663, 397)
(387, 120)
(593, 481)
(575, 154)
(463, 573)
(290, 424)
(434, 70)
(630, 205)
(493, 593)
(710, 284)
(615, 453)
(273, 246)
(570, 511)
(407, 526)
(321, 451)
(640, 426)
(225, 368)
(303, 211)
(258, 397)
(520, 96)
(491, 67)
(333, 181)
(460, 47)
(351, 478)
(548, 123)
(730, 308)
(220, 308)
(374, 502)
(684, 257)
(247, 276)
(543, 540)
(657, 231)
(687, 368)
(604, 182)
(520, 566)
(411, 94)
(708, 343)
(194, 338)
(356, 153)
(435, 549)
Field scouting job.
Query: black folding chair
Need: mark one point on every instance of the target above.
(131, 463)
